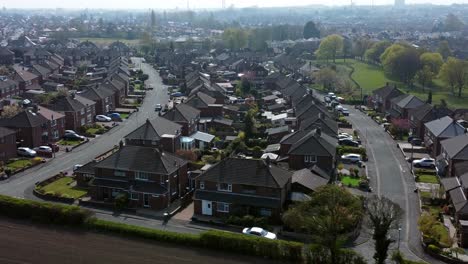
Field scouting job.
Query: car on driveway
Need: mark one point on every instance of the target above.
(348, 142)
(258, 231)
(345, 137)
(424, 163)
(158, 108)
(26, 152)
(73, 136)
(103, 118)
(43, 149)
(115, 116)
(345, 111)
(352, 158)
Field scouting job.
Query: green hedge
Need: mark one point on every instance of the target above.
(42, 212)
(250, 245)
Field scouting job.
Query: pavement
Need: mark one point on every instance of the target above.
(22, 242)
(390, 177)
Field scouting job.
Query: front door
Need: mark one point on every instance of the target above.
(206, 208)
(146, 200)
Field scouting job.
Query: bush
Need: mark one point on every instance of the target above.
(209, 159)
(121, 201)
(41, 212)
(434, 249)
(36, 161)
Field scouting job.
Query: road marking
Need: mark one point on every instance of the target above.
(377, 170)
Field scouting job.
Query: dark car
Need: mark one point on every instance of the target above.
(71, 136)
(348, 142)
(416, 141)
(158, 108)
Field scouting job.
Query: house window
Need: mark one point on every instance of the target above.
(224, 187)
(134, 196)
(53, 123)
(83, 121)
(55, 134)
(162, 179)
(310, 158)
(82, 111)
(90, 119)
(249, 189)
(142, 176)
(222, 207)
(202, 185)
(265, 212)
(119, 173)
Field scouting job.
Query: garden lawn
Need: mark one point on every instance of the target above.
(18, 164)
(427, 177)
(124, 115)
(64, 142)
(62, 188)
(443, 234)
(92, 131)
(348, 181)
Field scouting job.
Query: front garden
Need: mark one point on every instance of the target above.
(426, 176)
(65, 142)
(64, 187)
(14, 165)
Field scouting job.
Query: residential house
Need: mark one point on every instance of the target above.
(158, 133)
(8, 88)
(305, 182)
(185, 115)
(26, 80)
(7, 144)
(206, 104)
(306, 148)
(78, 110)
(453, 160)
(103, 96)
(326, 124)
(152, 178)
(381, 98)
(275, 134)
(242, 186)
(31, 128)
(55, 123)
(42, 72)
(438, 130)
(7, 56)
(401, 105)
(423, 114)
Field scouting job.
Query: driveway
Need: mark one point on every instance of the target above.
(390, 177)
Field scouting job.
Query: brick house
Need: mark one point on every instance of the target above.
(7, 56)
(381, 98)
(103, 97)
(26, 80)
(326, 124)
(454, 156)
(438, 130)
(31, 128)
(78, 110)
(186, 116)
(7, 144)
(206, 104)
(8, 89)
(151, 178)
(242, 186)
(423, 114)
(401, 105)
(306, 148)
(55, 123)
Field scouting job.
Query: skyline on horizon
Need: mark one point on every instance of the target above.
(201, 4)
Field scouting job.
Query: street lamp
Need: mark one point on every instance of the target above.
(399, 231)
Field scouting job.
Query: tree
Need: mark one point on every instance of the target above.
(383, 216)
(432, 59)
(330, 47)
(347, 48)
(454, 72)
(311, 30)
(327, 217)
(453, 23)
(429, 97)
(401, 61)
(249, 124)
(373, 54)
(235, 38)
(424, 76)
(327, 77)
(153, 19)
(360, 46)
(10, 111)
(444, 49)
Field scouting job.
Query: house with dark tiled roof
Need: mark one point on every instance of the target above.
(453, 160)
(7, 56)
(306, 181)
(186, 116)
(275, 134)
(150, 177)
(328, 125)
(41, 71)
(206, 104)
(26, 80)
(401, 105)
(31, 128)
(103, 96)
(78, 111)
(381, 98)
(242, 186)
(7, 144)
(55, 123)
(308, 148)
(439, 130)
(158, 132)
(8, 88)
(423, 114)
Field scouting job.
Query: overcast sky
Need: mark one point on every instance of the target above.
(164, 4)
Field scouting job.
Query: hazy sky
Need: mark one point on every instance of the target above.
(169, 4)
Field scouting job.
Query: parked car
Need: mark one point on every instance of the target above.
(258, 231)
(340, 100)
(103, 118)
(348, 142)
(352, 158)
(115, 116)
(345, 136)
(424, 163)
(70, 132)
(54, 147)
(71, 136)
(327, 99)
(77, 166)
(158, 108)
(339, 108)
(177, 94)
(416, 141)
(345, 111)
(44, 149)
(26, 152)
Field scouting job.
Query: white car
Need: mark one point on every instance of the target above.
(424, 163)
(70, 132)
(258, 231)
(345, 111)
(45, 149)
(345, 136)
(26, 152)
(339, 108)
(353, 158)
(103, 118)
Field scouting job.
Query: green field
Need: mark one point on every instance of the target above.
(19, 164)
(371, 77)
(61, 187)
(108, 41)
(348, 181)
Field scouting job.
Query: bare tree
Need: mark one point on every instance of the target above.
(383, 215)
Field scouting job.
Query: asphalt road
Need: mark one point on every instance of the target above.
(391, 177)
(21, 242)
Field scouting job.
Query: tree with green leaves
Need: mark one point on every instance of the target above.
(330, 47)
(383, 215)
(429, 97)
(331, 213)
(373, 54)
(327, 77)
(454, 72)
(311, 30)
(249, 124)
(444, 49)
(401, 61)
(433, 60)
(360, 46)
(235, 38)
(424, 76)
(347, 48)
